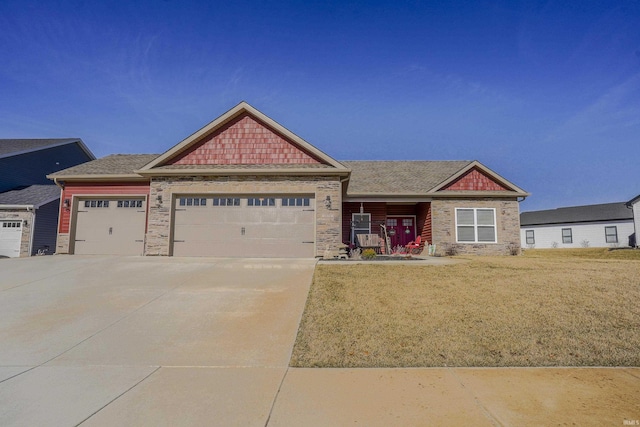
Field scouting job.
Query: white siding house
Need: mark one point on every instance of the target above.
(595, 226)
(634, 204)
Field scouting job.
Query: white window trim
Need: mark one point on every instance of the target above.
(475, 226)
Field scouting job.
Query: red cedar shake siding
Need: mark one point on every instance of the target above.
(475, 181)
(96, 189)
(244, 141)
(379, 213)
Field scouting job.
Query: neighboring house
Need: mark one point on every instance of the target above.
(599, 226)
(246, 186)
(29, 202)
(634, 205)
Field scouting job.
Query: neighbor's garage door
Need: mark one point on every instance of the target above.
(10, 236)
(260, 226)
(110, 226)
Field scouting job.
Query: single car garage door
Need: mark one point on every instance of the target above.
(241, 226)
(10, 237)
(110, 226)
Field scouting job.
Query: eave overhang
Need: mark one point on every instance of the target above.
(98, 178)
(428, 196)
(16, 207)
(243, 171)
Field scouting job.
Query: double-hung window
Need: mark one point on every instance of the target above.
(567, 235)
(476, 225)
(530, 237)
(611, 234)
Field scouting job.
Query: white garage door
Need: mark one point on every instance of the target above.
(10, 236)
(110, 226)
(256, 226)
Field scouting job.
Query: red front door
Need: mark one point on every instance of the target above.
(401, 230)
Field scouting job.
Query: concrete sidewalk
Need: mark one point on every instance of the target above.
(459, 396)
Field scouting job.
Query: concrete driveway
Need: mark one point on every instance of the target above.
(146, 341)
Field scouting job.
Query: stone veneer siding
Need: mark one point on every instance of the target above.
(328, 221)
(21, 215)
(507, 226)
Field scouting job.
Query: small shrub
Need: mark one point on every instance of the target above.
(356, 254)
(584, 243)
(514, 249)
(554, 245)
(368, 254)
(451, 250)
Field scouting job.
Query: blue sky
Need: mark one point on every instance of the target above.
(547, 94)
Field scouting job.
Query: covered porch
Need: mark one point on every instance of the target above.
(404, 222)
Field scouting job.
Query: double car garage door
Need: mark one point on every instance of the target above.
(241, 226)
(203, 225)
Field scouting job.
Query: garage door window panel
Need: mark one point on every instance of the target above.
(228, 201)
(129, 203)
(96, 203)
(296, 201)
(193, 201)
(265, 201)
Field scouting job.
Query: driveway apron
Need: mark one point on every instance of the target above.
(146, 341)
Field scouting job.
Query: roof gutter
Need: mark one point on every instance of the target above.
(89, 177)
(18, 207)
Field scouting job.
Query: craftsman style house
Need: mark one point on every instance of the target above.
(246, 186)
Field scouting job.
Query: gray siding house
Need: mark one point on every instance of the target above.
(598, 226)
(29, 202)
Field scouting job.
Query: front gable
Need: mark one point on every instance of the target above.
(475, 180)
(244, 141)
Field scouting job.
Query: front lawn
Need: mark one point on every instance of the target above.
(533, 310)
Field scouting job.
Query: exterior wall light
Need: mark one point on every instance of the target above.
(66, 204)
(327, 202)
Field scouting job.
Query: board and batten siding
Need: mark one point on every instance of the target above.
(550, 236)
(32, 167)
(44, 230)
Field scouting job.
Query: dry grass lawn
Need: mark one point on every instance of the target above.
(546, 308)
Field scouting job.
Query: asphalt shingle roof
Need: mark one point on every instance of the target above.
(399, 177)
(9, 146)
(589, 213)
(32, 195)
(373, 178)
(115, 164)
